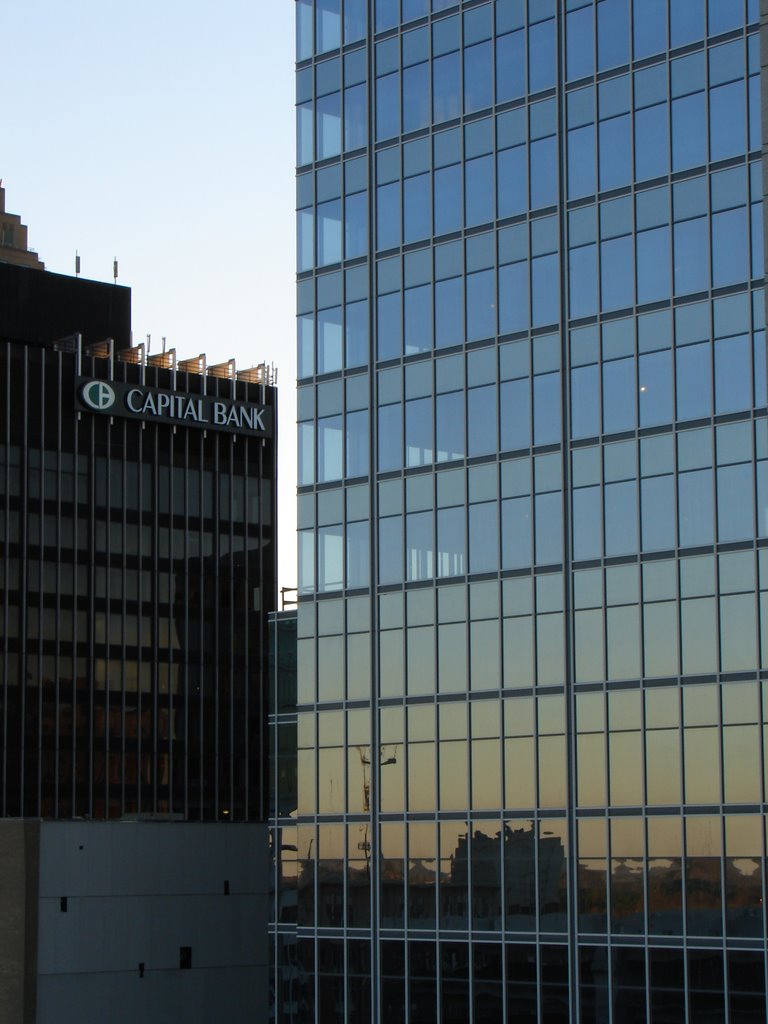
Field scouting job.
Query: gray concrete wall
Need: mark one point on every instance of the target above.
(135, 893)
(19, 859)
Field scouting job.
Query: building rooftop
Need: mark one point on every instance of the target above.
(38, 307)
(263, 373)
(13, 239)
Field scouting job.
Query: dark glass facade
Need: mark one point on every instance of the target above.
(532, 694)
(137, 570)
(287, 987)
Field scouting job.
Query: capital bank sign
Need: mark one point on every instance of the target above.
(116, 398)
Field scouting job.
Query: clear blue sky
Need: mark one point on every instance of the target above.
(161, 132)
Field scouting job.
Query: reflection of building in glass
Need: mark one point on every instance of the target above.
(533, 483)
(137, 568)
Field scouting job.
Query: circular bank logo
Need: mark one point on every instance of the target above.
(98, 395)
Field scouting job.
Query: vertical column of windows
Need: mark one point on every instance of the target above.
(332, 212)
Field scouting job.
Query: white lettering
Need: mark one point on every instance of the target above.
(181, 407)
(129, 400)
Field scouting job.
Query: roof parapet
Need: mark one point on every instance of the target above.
(262, 373)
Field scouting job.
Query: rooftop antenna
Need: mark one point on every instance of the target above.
(114, 269)
(77, 263)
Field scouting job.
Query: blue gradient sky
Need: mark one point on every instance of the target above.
(161, 132)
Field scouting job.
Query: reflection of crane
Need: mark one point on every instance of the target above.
(365, 762)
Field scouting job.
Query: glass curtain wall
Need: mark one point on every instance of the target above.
(533, 514)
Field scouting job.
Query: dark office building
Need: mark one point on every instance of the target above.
(137, 570)
(533, 515)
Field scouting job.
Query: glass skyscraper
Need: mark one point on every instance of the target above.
(532, 695)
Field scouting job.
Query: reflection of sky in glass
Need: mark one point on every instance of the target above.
(650, 616)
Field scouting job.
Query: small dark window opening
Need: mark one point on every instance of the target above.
(141, 970)
(226, 887)
(185, 958)
(63, 904)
